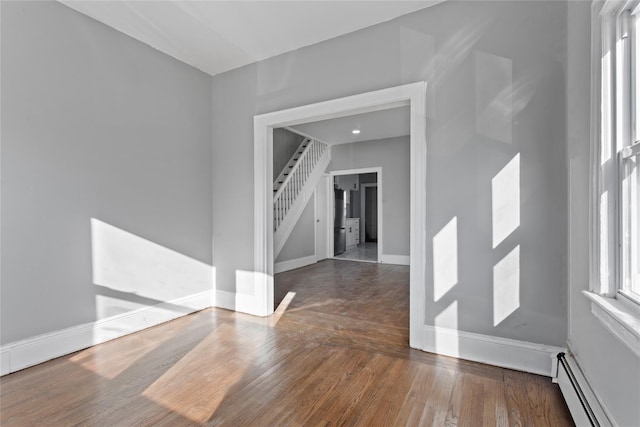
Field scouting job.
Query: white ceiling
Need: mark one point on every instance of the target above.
(376, 125)
(217, 36)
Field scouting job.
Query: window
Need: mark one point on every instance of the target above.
(627, 92)
(615, 138)
(616, 151)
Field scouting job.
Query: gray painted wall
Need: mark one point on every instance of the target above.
(496, 73)
(301, 242)
(598, 352)
(285, 144)
(393, 156)
(97, 125)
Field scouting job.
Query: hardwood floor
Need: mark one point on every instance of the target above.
(335, 353)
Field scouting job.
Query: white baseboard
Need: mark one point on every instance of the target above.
(235, 301)
(32, 351)
(395, 259)
(497, 351)
(253, 294)
(283, 266)
(571, 397)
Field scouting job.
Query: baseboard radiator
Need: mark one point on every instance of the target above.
(583, 404)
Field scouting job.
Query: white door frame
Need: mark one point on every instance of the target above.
(330, 201)
(412, 95)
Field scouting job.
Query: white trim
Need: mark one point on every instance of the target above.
(619, 318)
(292, 264)
(357, 171)
(244, 303)
(414, 95)
(32, 351)
(395, 259)
(497, 351)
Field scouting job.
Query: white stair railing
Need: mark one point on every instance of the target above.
(291, 187)
(290, 164)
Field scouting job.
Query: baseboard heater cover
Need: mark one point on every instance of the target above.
(583, 404)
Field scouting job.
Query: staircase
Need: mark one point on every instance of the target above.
(294, 187)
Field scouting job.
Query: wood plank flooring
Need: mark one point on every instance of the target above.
(335, 353)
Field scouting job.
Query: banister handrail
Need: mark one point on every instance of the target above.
(294, 169)
(289, 190)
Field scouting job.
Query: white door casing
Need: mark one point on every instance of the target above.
(413, 95)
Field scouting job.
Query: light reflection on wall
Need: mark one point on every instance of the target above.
(506, 286)
(445, 259)
(494, 96)
(420, 66)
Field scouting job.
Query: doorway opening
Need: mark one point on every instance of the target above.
(357, 216)
(259, 292)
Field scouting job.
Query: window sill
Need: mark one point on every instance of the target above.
(619, 318)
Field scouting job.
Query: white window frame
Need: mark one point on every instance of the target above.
(612, 122)
(627, 133)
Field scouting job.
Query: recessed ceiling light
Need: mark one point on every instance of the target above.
(355, 131)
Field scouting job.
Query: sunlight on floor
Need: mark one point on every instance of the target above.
(181, 388)
(110, 367)
(282, 308)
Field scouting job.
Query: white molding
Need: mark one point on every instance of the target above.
(292, 264)
(395, 259)
(32, 351)
(497, 351)
(571, 398)
(357, 171)
(622, 321)
(417, 215)
(252, 290)
(242, 303)
(414, 95)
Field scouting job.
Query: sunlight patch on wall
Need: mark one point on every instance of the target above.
(445, 259)
(505, 201)
(494, 109)
(131, 272)
(506, 286)
(447, 342)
